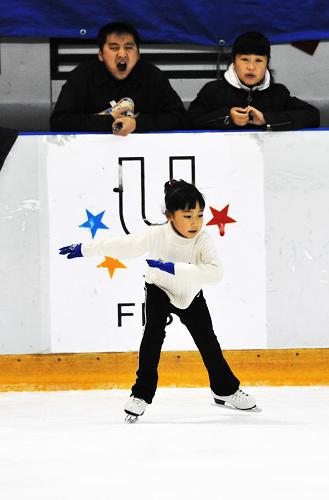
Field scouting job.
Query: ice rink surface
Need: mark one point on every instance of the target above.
(75, 446)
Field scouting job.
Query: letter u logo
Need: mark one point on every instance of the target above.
(131, 173)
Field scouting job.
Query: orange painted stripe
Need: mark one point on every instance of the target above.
(43, 372)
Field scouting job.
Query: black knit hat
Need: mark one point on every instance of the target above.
(251, 42)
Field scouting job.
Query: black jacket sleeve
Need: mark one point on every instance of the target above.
(71, 113)
(7, 138)
(202, 113)
(292, 114)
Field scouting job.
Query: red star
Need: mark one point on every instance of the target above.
(220, 218)
(111, 265)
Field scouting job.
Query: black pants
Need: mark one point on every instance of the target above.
(198, 322)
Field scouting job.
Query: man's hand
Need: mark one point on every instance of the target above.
(239, 116)
(116, 114)
(124, 125)
(124, 107)
(256, 117)
(168, 267)
(71, 251)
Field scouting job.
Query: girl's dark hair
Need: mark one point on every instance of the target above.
(180, 195)
(251, 42)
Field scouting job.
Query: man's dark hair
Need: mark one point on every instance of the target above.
(119, 29)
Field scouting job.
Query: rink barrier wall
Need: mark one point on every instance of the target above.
(274, 293)
(83, 371)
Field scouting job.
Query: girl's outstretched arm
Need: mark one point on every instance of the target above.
(127, 246)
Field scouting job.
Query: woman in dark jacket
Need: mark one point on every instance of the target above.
(247, 97)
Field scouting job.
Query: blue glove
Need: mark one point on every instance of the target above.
(72, 251)
(168, 267)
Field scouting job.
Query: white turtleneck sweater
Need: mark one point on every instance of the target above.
(195, 259)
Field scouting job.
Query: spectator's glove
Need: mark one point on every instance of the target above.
(168, 267)
(72, 251)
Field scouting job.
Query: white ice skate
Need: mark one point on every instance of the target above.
(240, 400)
(134, 408)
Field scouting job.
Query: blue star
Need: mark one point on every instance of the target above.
(94, 222)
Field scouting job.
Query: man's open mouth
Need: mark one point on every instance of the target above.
(122, 66)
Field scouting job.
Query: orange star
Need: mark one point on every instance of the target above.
(220, 218)
(111, 265)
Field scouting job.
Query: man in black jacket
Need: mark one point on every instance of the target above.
(247, 97)
(117, 91)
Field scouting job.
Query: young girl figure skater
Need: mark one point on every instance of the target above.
(182, 258)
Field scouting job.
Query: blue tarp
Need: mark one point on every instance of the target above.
(168, 21)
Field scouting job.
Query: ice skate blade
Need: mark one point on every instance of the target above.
(131, 419)
(228, 406)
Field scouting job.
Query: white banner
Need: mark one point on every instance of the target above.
(98, 180)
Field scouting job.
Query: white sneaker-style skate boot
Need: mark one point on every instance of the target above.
(134, 408)
(240, 400)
